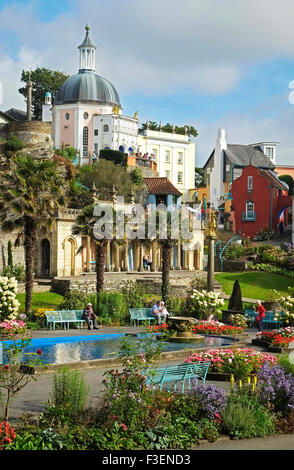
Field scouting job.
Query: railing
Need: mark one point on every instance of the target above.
(222, 251)
(249, 216)
(145, 162)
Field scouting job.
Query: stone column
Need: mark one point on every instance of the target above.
(125, 257)
(136, 255)
(107, 267)
(88, 253)
(141, 265)
(179, 255)
(116, 258)
(210, 264)
(154, 256)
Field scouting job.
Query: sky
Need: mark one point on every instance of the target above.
(207, 63)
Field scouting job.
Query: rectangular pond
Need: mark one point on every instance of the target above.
(83, 348)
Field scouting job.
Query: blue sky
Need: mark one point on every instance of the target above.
(205, 63)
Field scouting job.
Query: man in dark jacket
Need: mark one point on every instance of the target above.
(88, 315)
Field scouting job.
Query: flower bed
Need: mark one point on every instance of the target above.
(239, 361)
(158, 328)
(281, 337)
(9, 329)
(216, 328)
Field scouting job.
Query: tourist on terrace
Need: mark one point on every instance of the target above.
(261, 314)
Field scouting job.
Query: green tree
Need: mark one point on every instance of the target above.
(290, 182)
(42, 80)
(30, 194)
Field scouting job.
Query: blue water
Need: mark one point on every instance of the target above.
(83, 348)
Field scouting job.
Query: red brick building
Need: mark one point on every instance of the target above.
(259, 201)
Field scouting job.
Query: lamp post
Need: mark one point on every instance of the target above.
(211, 236)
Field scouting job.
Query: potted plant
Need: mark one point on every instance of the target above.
(272, 302)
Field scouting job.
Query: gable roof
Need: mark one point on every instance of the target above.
(16, 114)
(274, 180)
(160, 186)
(244, 155)
(6, 116)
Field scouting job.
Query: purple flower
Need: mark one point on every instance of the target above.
(275, 387)
(211, 400)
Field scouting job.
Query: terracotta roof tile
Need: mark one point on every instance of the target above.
(161, 185)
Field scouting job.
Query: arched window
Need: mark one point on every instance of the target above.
(85, 141)
(250, 214)
(121, 148)
(106, 128)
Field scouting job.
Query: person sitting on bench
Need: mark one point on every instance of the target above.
(88, 315)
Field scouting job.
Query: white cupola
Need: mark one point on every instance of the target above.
(87, 52)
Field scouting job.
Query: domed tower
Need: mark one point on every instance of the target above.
(87, 113)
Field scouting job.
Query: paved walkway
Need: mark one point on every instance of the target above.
(32, 399)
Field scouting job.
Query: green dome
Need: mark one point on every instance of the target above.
(87, 86)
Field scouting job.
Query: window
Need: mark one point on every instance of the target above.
(154, 151)
(67, 116)
(180, 158)
(167, 156)
(167, 174)
(106, 128)
(85, 141)
(86, 115)
(250, 183)
(95, 131)
(96, 148)
(180, 177)
(269, 151)
(250, 214)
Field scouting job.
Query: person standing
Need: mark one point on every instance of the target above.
(88, 316)
(260, 316)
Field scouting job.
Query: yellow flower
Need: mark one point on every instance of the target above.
(240, 383)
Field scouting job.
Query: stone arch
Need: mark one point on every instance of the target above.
(69, 246)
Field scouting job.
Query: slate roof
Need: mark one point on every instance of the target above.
(244, 155)
(16, 114)
(161, 186)
(274, 180)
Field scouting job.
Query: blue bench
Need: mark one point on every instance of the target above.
(250, 316)
(177, 374)
(270, 321)
(64, 317)
(141, 314)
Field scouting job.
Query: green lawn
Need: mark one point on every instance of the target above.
(255, 285)
(41, 300)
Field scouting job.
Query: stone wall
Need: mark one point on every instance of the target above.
(30, 132)
(235, 266)
(17, 253)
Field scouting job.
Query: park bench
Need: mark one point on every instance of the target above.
(64, 317)
(270, 321)
(177, 374)
(141, 314)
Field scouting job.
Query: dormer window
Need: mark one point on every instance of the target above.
(269, 151)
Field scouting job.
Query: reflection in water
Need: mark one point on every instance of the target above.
(74, 349)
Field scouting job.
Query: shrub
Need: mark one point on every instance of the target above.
(133, 294)
(9, 304)
(244, 417)
(74, 300)
(69, 394)
(235, 302)
(17, 271)
(112, 308)
(237, 320)
(262, 235)
(285, 363)
(13, 143)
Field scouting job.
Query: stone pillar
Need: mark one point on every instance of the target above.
(136, 255)
(125, 257)
(141, 254)
(179, 255)
(108, 267)
(154, 256)
(210, 264)
(88, 254)
(116, 258)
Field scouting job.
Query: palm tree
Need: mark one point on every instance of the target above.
(84, 226)
(31, 191)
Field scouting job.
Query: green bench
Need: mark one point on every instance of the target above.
(64, 317)
(268, 320)
(141, 314)
(177, 374)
